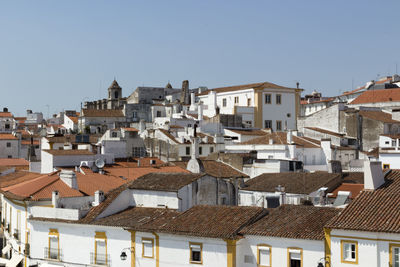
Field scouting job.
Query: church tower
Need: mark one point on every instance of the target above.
(114, 91)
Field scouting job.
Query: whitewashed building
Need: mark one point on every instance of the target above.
(261, 105)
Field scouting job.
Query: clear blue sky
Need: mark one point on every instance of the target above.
(59, 53)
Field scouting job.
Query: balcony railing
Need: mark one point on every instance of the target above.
(17, 234)
(52, 253)
(100, 259)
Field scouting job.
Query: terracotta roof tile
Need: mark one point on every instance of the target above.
(213, 221)
(13, 162)
(216, 169)
(378, 115)
(6, 115)
(164, 181)
(374, 211)
(74, 119)
(280, 138)
(293, 221)
(325, 131)
(102, 113)
(377, 96)
(134, 173)
(355, 189)
(295, 183)
(4, 136)
(69, 152)
(249, 132)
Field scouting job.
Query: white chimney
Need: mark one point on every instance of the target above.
(54, 199)
(69, 178)
(200, 112)
(142, 126)
(192, 98)
(373, 174)
(98, 198)
(271, 141)
(289, 137)
(326, 148)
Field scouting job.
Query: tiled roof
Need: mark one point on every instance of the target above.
(68, 152)
(377, 96)
(28, 142)
(216, 169)
(355, 189)
(4, 136)
(74, 119)
(294, 182)
(374, 211)
(169, 135)
(102, 113)
(328, 99)
(141, 162)
(249, 132)
(363, 87)
(213, 221)
(353, 177)
(13, 162)
(280, 138)
(325, 131)
(130, 129)
(132, 173)
(164, 181)
(244, 87)
(293, 221)
(17, 177)
(378, 115)
(5, 115)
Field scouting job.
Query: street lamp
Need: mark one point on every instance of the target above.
(123, 255)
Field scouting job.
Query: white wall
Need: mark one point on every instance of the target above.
(154, 199)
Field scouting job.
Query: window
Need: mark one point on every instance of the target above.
(295, 257)
(114, 134)
(200, 150)
(224, 102)
(195, 252)
(100, 248)
(158, 113)
(147, 247)
(386, 166)
(393, 142)
(268, 99)
(268, 124)
(188, 150)
(278, 99)
(279, 125)
(248, 102)
(394, 255)
(116, 94)
(54, 249)
(8, 144)
(264, 255)
(349, 251)
(236, 100)
(211, 149)
(134, 114)
(9, 156)
(7, 126)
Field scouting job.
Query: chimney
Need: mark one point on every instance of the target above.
(98, 198)
(326, 148)
(195, 148)
(192, 98)
(289, 137)
(185, 92)
(271, 141)
(55, 199)
(138, 162)
(5, 109)
(373, 174)
(200, 112)
(69, 178)
(297, 85)
(282, 194)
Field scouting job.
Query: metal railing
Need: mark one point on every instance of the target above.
(52, 253)
(100, 259)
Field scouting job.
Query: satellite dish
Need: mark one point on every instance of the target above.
(100, 163)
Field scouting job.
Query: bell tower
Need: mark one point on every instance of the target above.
(114, 91)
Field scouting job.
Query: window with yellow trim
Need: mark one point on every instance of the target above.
(386, 166)
(394, 253)
(100, 249)
(147, 247)
(264, 255)
(349, 251)
(53, 251)
(196, 252)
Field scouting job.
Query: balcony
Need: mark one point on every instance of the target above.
(52, 254)
(100, 259)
